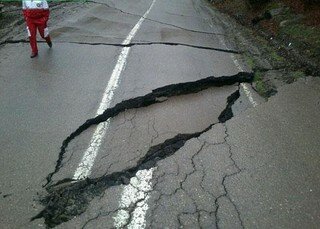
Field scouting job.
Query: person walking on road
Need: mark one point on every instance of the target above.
(36, 14)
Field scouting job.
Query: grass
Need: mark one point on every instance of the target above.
(306, 38)
(260, 85)
(307, 34)
(275, 57)
(250, 61)
(296, 24)
(298, 74)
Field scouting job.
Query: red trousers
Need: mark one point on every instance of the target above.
(37, 20)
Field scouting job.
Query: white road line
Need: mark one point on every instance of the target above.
(135, 194)
(243, 85)
(85, 166)
(248, 94)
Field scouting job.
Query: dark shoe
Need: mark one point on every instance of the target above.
(49, 44)
(33, 55)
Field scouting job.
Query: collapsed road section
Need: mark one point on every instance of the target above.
(67, 198)
(156, 96)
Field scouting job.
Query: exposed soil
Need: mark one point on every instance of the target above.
(287, 34)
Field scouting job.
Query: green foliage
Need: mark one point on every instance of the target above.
(257, 76)
(307, 34)
(305, 37)
(261, 88)
(250, 61)
(275, 57)
(298, 74)
(260, 85)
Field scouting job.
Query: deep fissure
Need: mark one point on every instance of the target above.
(67, 199)
(156, 96)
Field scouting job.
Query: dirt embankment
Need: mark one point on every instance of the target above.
(291, 29)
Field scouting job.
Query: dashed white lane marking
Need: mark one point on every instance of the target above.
(135, 194)
(248, 94)
(243, 85)
(87, 161)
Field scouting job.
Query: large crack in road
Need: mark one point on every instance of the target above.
(156, 96)
(184, 164)
(132, 44)
(67, 198)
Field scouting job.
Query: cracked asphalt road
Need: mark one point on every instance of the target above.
(183, 141)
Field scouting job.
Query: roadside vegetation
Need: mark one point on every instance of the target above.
(288, 32)
(296, 22)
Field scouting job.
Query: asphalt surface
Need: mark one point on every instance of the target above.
(276, 148)
(37, 96)
(181, 160)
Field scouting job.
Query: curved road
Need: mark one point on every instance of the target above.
(158, 80)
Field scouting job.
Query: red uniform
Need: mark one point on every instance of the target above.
(36, 14)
